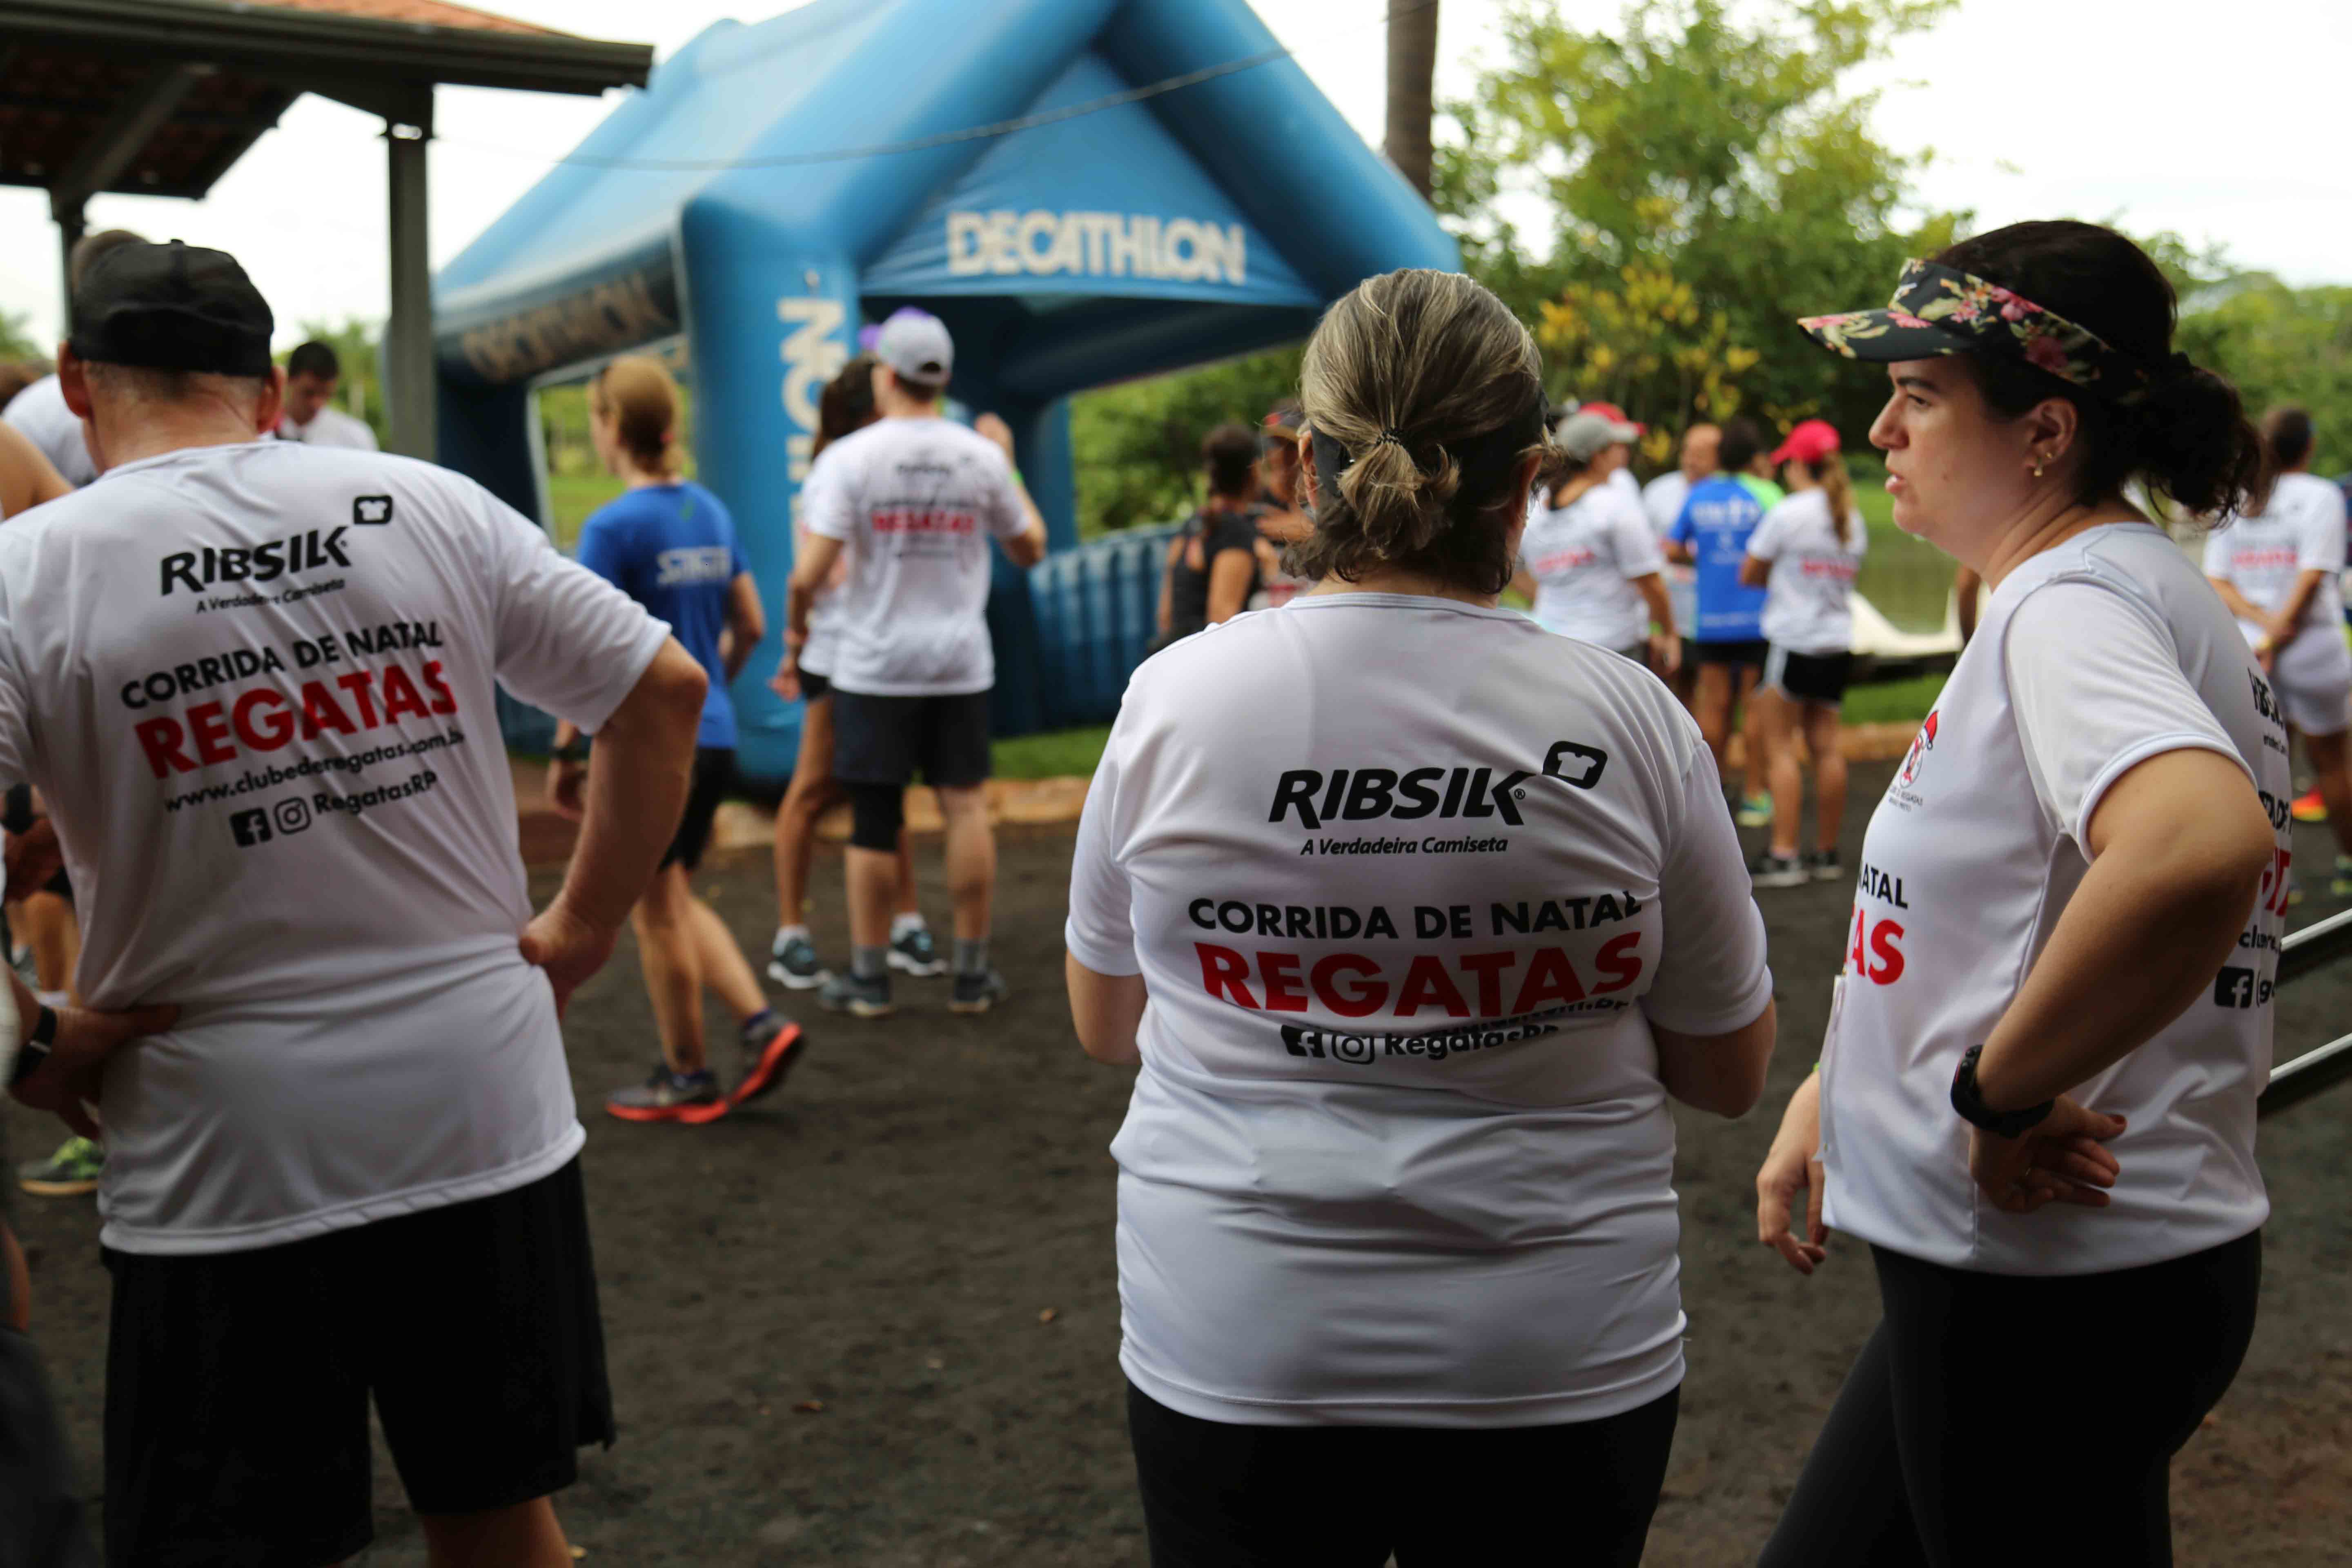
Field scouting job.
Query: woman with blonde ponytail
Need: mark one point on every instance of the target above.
(1411, 963)
(1805, 554)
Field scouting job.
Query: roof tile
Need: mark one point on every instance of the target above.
(428, 13)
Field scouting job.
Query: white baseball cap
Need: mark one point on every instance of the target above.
(916, 345)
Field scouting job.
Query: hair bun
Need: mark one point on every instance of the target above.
(2189, 436)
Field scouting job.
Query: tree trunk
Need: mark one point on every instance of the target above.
(1413, 71)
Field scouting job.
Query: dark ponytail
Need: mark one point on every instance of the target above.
(2184, 434)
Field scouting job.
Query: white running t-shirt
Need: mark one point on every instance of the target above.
(823, 649)
(1809, 597)
(917, 501)
(331, 427)
(2302, 530)
(1584, 557)
(255, 684)
(1398, 1152)
(40, 416)
(2093, 657)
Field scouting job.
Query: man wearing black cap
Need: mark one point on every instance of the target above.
(254, 681)
(915, 497)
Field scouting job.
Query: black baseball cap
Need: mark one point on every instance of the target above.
(172, 306)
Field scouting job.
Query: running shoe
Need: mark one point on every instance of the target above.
(1755, 811)
(2340, 886)
(2310, 807)
(692, 1098)
(1826, 866)
(772, 1049)
(978, 993)
(860, 998)
(916, 953)
(1778, 871)
(794, 965)
(72, 1171)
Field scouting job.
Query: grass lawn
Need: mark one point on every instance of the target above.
(570, 498)
(1893, 701)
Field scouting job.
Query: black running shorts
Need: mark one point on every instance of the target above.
(815, 688)
(714, 775)
(1748, 652)
(237, 1382)
(885, 740)
(1809, 676)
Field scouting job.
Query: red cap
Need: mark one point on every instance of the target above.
(1615, 414)
(1808, 443)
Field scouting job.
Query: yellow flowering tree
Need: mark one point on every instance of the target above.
(1649, 347)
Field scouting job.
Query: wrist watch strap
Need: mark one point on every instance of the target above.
(1970, 1103)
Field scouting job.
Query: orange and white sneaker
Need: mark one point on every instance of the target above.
(772, 1045)
(692, 1098)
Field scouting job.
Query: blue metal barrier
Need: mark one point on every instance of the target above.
(1098, 610)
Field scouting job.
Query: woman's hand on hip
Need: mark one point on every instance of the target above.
(2065, 1159)
(1792, 1171)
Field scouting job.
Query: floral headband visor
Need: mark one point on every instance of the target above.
(1939, 310)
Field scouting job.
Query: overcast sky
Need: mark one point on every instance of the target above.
(2220, 123)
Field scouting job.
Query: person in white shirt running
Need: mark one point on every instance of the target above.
(39, 410)
(1589, 563)
(1411, 965)
(312, 374)
(804, 674)
(2036, 1098)
(915, 498)
(255, 684)
(2277, 571)
(1805, 554)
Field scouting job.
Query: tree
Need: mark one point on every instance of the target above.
(2281, 345)
(1703, 147)
(1138, 446)
(358, 347)
(16, 341)
(1412, 76)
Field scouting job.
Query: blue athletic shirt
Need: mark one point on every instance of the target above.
(672, 549)
(1720, 513)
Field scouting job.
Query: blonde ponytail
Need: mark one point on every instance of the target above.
(1837, 489)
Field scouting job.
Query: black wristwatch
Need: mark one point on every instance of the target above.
(33, 1048)
(1970, 1104)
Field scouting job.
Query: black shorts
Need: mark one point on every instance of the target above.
(1809, 676)
(237, 1382)
(884, 739)
(815, 688)
(714, 775)
(1746, 652)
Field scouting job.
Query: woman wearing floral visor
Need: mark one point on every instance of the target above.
(2036, 1100)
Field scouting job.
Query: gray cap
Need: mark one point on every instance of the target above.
(1583, 437)
(916, 344)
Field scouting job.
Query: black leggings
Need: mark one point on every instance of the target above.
(1988, 1405)
(1222, 1496)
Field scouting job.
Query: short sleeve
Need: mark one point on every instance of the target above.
(567, 640)
(1637, 547)
(16, 710)
(2096, 682)
(825, 508)
(1769, 535)
(1006, 514)
(1684, 527)
(601, 550)
(2319, 543)
(1712, 977)
(2217, 554)
(1100, 932)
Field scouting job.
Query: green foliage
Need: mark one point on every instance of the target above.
(1058, 753)
(2282, 345)
(1710, 147)
(358, 347)
(17, 341)
(1138, 446)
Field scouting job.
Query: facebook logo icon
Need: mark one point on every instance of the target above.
(251, 827)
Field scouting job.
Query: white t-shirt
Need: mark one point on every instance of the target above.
(2302, 530)
(1398, 1152)
(255, 684)
(1584, 558)
(1623, 481)
(1809, 597)
(331, 427)
(917, 501)
(823, 649)
(1662, 500)
(40, 415)
(2093, 657)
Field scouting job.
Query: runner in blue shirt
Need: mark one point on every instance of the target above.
(670, 544)
(1712, 530)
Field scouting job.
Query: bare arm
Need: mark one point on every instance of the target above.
(2178, 846)
(1722, 1073)
(1168, 587)
(1754, 573)
(2238, 605)
(1106, 1009)
(1651, 586)
(1229, 583)
(645, 758)
(809, 573)
(747, 623)
(2290, 615)
(27, 478)
(1028, 547)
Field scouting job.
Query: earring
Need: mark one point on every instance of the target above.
(2037, 467)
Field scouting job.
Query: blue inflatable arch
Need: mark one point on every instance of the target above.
(778, 184)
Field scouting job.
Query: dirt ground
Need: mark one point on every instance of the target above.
(878, 1324)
